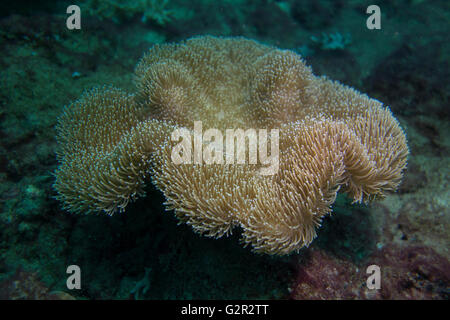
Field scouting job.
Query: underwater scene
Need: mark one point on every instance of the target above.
(217, 150)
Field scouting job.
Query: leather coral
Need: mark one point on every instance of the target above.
(331, 138)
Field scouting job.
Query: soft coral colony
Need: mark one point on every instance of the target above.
(332, 138)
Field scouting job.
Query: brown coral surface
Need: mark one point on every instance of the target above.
(331, 138)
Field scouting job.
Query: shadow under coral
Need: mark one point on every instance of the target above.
(348, 233)
(115, 252)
